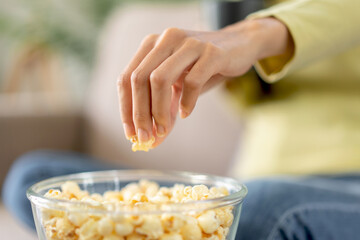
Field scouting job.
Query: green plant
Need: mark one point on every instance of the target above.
(61, 25)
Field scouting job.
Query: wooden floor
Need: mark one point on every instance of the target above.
(11, 229)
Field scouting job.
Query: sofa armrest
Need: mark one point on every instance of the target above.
(24, 132)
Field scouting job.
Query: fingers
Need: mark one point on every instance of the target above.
(124, 85)
(141, 88)
(164, 77)
(175, 96)
(207, 66)
(158, 79)
(213, 81)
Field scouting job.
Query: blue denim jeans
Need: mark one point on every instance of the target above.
(36, 166)
(294, 208)
(281, 208)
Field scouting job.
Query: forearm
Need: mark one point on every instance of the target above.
(269, 36)
(274, 37)
(170, 70)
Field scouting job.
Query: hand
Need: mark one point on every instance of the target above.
(170, 71)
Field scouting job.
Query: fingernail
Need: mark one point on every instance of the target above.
(143, 135)
(183, 114)
(128, 131)
(160, 131)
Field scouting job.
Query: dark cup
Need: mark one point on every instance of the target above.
(220, 13)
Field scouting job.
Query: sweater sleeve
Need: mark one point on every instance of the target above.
(319, 29)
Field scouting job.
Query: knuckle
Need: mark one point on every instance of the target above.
(211, 51)
(150, 38)
(173, 33)
(157, 79)
(123, 80)
(136, 78)
(191, 42)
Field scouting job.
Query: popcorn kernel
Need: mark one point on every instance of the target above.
(145, 195)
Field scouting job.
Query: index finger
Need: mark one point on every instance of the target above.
(124, 85)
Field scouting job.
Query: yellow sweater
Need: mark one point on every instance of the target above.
(310, 122)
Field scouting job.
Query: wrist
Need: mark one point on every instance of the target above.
(271, 36)
(266, 36)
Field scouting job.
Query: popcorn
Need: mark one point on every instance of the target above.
(177, 193)
(48, 214)
(78, 224)
(219, 192)
(191, 231)
(135, 237)
(77, 218)
(113, 237)
(129, 191)
(171, 236)
(65, 230)
(54, 194)
(113, 196)
(210, 237)
(151, 227)
(187, 190)
(92, 202)
(89, 230)
(97, 197)
(50, 228)
(124, 228)
(151, 190)
(159, 198)
(208, 222)
(105, 226)
(200, 192)
(72, 190)
(135, 220)
(118, 218)
(137, 146)
(172, 223)
(221, 233)
(139, 197)
(225, 216)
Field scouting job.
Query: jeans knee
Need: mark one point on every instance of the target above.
(31, 160)
(24, 168)
(19, 178)
(266, 200)
(293, 224)
(265, 191)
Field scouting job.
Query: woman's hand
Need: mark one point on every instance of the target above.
(170, 71)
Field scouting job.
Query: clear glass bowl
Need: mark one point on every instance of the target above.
(100, 182)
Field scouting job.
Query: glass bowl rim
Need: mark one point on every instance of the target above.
(62, 205)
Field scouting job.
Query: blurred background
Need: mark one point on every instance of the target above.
(58, 67)
(60, 60)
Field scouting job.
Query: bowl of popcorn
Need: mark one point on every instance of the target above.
(137, 205)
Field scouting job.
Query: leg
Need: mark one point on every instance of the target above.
(36, 166)
(319, 208)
